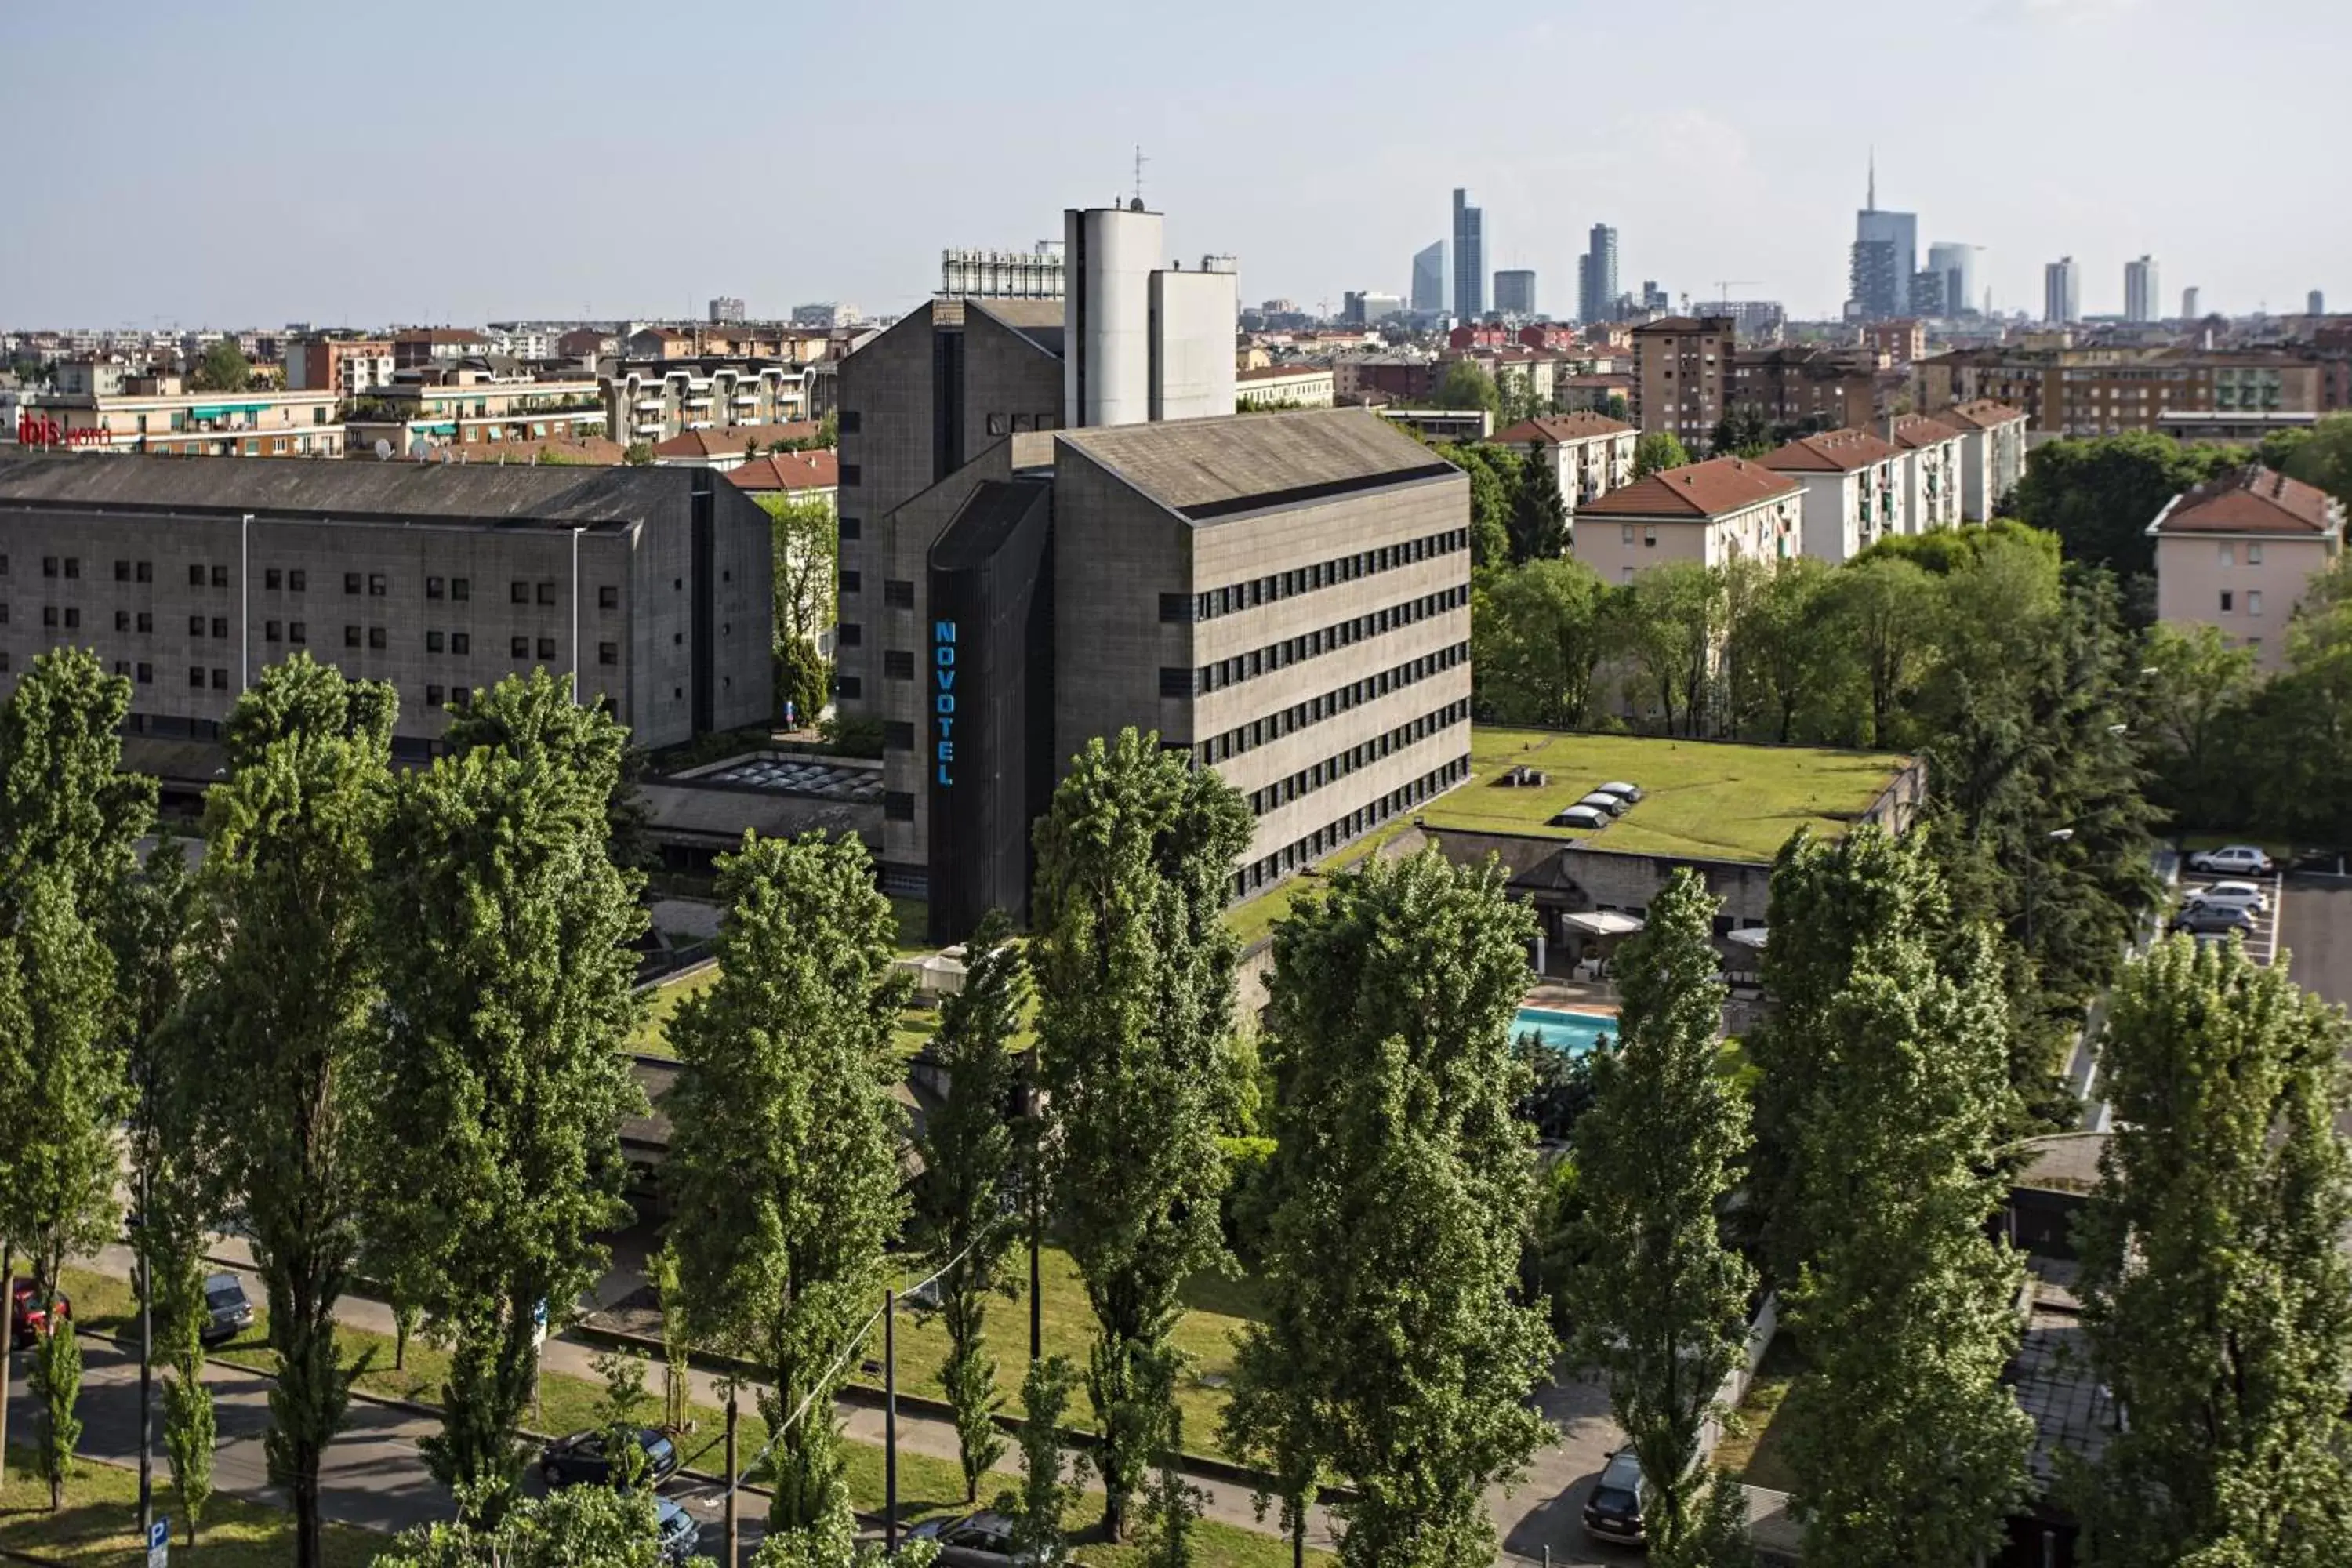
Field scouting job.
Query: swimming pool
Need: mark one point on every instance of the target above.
(1573, 1033)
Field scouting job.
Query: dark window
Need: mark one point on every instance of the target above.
(1176, 683)
(435, 697)
(849, 475)
(350, 582)
(376, 585)
(898, 735)
(518, 647)
(273, 578)
(850, 634)
(375, 636)
(351, 636)
(271, 631)
(220, 679)
(608, 653)
(847, 421)
(297, 632)
(519, 592)
(73, 565)
(431, 642)
(49, 566)
(48, 614)
(461, 642)
(852, 528)
(898, 593)
(898, 663)
(435, 587)
(608, 597)
(195, 625)
(852, 582)
(146, 571)
(461, 697)
(121, 619)
(73, 616)
(146, 675)
(547, 593)
(220, 626)
(898, 806)
(197, 675)
(195, 576)
(547, 648)
(297, 580)
(459, 587)
(122, 570)
(849, 686)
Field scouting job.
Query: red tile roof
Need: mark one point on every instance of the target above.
(1557, 429)
(1831, 452)
(727, 440)
(1916, 430)
(817, 470)
(2253, 501)
(1713, 489)
(1981, 414)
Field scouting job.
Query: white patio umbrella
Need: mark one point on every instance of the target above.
(1748, 936)
(1602, 922)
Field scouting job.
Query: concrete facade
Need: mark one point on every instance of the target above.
(439, 580)
(1682, 374)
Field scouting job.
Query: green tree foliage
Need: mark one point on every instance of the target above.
(1663, 1301)
(57, 1384)
(1658, 449)
(1883, 612)
(638, 454)
(1049, 1484)
(222, 367)
(1466, 385)
(784, 1164)
(504, 929)
(1742, 432)
(2320, 455)
(189, 1430)
(2216, 1293)
(1784, 666)
(1885, 1074)
(1494, 486)
(1539, 526)
(1537, 635)
(284, 1023)
(834, 1544)
(577, 1527)
(1134, 978)
(2192, 718)
(1668, 623)
(620, 1411)
(1614, 406)
(2099, 495)
(1396, 1349)
(1717, 1536)
(804, 537)
(969, 1173)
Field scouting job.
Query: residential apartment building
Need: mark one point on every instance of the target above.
(1855, 490)
(2106, 389)
(98, 407)
(1932, 497)
(1682, 375)
(1283, 386)
(1515, 292)
(797, 476)
(729, 447)
(1715, 513)
(655, 400)
(413, 347)
(1897, 342)
(350, 367)
(2240, 553)
(1590, 454)
(1992, 454)
(1797, 385)
(471, 409)
(649, 587)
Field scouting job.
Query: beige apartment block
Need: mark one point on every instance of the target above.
(1591, 453)
(1283, 386)
(101, 408)
(1715, 513)
(1932, 500)
(2240, 553)
(1856, 490)
(1992, 454)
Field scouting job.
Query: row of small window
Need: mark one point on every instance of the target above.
(1306, 781)
(1238, 597)
(1263, 732)
(897, 592)
(2254, 601)
(1241, 667)
(1362, 820)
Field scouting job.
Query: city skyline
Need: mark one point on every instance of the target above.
(1699, 189)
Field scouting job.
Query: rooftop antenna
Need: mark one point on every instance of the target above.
(1139, 161)
(1871, 202)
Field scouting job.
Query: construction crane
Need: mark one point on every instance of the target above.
(1724, 286)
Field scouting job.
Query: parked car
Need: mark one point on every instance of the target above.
(679, 1533)
(2240, 895)
(230, 1313)
(2214, 919)
(1582, 816)
(1613, 1511)
(1602, 801)
(1628, 793)
(29, 1320)
(580, 1457)
(975, 1540)
(2233, 860)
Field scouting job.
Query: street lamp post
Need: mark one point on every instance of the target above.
(890, 1422)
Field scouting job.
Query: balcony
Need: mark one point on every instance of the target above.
(649, 427)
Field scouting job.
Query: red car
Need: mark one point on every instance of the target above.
(29, 1320)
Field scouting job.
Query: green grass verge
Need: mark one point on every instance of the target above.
(98, 1526)
(652, 1036)
(1705, 799)
(1755, 1446)
(1254, 920)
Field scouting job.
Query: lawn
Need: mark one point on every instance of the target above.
(1254, 920)
(1756, 1442)
(98, 1527)
(653, 1034)
(1705, 799)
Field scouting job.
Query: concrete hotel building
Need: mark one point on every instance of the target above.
(650, 584)
(1681, 370)
(1043, 540)
(2239, 554)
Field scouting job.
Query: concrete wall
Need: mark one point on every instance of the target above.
(1192, 316)
(1107, 341)
(888, 386)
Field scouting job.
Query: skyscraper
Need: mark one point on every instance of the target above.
(1596, 276)
(2314, 304)
(1429, 277)
(1469, 257)
(1514, 292)
(2188, 303)
(1956, 265)
(1885, 254)
(2139, 289)
(2061, 293)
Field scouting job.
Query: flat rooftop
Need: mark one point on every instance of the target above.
(1712, 800)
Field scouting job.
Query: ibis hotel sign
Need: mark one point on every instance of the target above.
(943, 702)
(41, 430)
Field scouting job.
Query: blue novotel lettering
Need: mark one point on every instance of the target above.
(943, 698)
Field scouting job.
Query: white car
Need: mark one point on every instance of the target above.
(2241, 859)
(2236, 895)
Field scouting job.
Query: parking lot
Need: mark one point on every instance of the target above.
(2263, 940)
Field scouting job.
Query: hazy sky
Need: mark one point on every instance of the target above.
(242, 161)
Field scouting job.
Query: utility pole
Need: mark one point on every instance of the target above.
(890, 1422)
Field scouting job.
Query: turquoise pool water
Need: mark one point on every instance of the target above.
(1572, 1033)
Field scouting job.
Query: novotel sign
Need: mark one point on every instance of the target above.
(39, 430)
(943, 700)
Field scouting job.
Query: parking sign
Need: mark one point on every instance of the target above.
(158, 1542)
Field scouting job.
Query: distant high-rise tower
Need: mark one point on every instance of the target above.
(1957, 266)
(2314, 304)
(1429, 278)
(2061, 293)
(1596, 276)
(1514, 292)
(2188, 303)
(1885, 256)
(726, 311)
(2139, 289)
(1469, 257)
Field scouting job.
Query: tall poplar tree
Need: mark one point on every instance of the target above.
(2215, 1290)
(969, 1153)
(1134, 978)
(1398, 1349)
(282, 1027)
(505, 928)
(784, 1161)
(1662, 1301)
